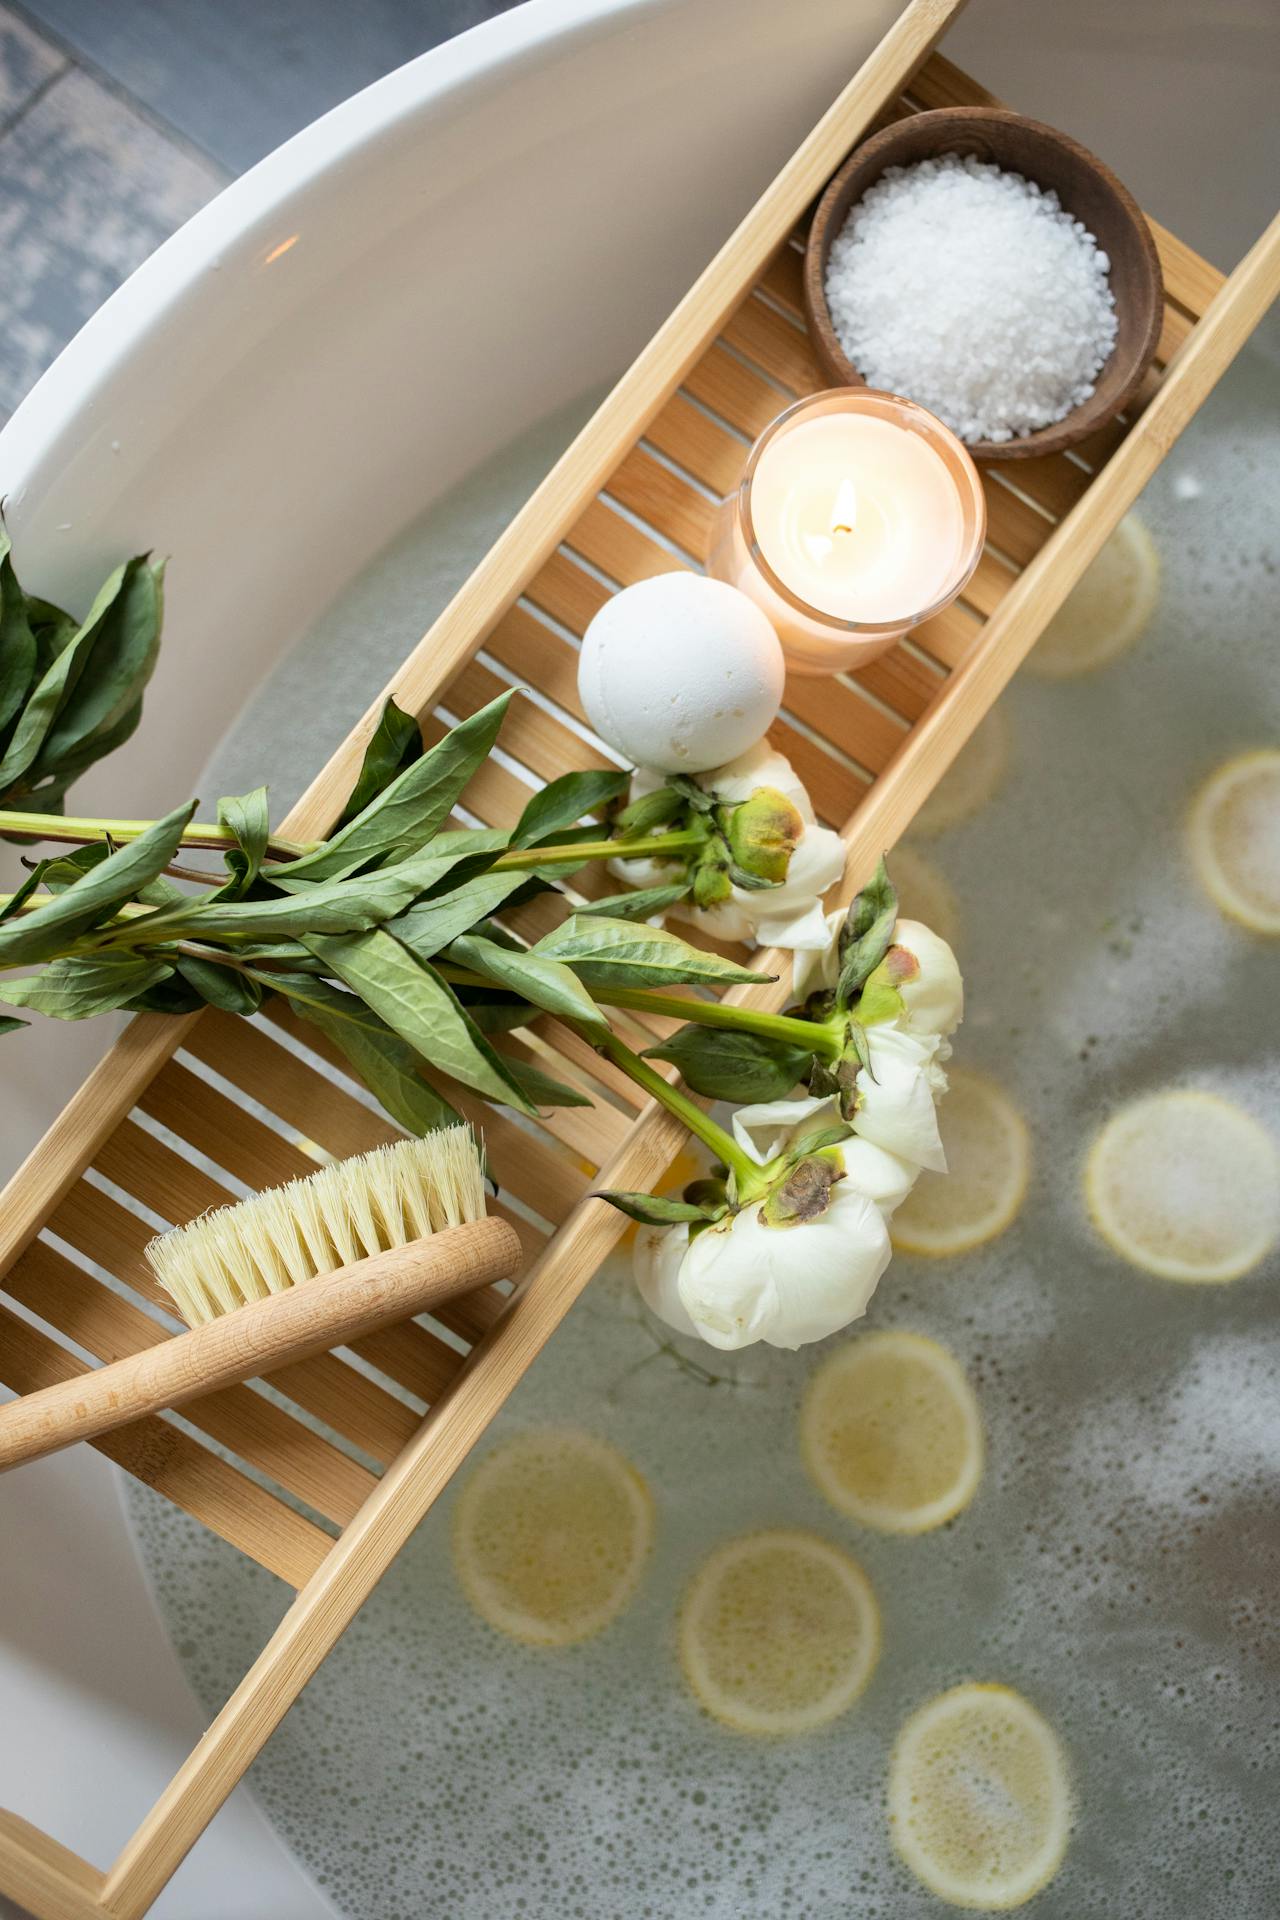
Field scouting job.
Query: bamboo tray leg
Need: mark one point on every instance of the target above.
(44, 1877)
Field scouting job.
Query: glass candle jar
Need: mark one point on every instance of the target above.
(858, 516)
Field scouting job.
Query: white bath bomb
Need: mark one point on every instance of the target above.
(681, 673)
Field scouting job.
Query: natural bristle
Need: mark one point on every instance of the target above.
(314, 1225)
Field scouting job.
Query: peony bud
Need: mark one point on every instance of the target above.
(763, 833)
(917, 982)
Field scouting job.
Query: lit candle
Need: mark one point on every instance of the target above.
(859, 515)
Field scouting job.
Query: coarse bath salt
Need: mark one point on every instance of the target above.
(972, 291)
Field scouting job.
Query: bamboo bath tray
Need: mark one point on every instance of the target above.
(324, 1481)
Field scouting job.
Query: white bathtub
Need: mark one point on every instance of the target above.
(332, 343)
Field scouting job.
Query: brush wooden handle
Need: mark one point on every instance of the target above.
(306, 1319)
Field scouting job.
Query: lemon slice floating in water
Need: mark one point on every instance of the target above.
(989, 1160)
(1186, 1186)
(779, 1633)
(972, 778)
(1235, 839)
(891, 1433)
(924, 894)
(979, 1804)
(550, 1535)
(1106, 611)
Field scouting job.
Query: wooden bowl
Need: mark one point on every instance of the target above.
(1086, 188)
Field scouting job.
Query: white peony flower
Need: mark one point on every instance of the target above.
(743, 1281)
(767, 1129)
(655, 1262)
(896, 1099)
(787, 915)
(920, 966)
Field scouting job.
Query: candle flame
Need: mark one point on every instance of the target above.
(845, 511)
(817, 546)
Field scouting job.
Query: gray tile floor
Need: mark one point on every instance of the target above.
(118, 118)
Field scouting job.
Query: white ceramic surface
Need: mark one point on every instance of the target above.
(325, 349)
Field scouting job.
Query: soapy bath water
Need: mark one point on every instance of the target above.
(1120, 1564)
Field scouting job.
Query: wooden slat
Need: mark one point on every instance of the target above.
(567, 592)
(1188, 280)
(775, 345)
(663, 501)
(783, 281)
(839, 711)
(619, 549)
(527, 645)
(1174, 329)
(530, 734)
(739, 394)
(162, 1456)
(699, 444)
(243, 1053)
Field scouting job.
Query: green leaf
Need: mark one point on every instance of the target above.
(53, 628)
(16, 901)
(749, 882)
(867, 934)
(652, 1211)
(496, 1012)
(48, 793)
(80, 985)
(93, 684)
(692, 794)
(39, 934)
(390, 1068)
(819, 1140)
(430, 925)
(396, 742)
(246, 816)
(638, 905)
(408, 813)
(565, 801)
(10, 1024)
(616, 953)
(329, 906)
(17, 641)
(174, 996)
(224, 987)
(739, 1067)
(549, 984)
(541, 1089)
(650, 812)
(416, 1003)
(62, 870)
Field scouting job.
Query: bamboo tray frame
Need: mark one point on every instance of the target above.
(323, 1480)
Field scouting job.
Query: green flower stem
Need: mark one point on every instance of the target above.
(81, 829)
(714, 1013)
(653, 846)
(705, 1013)
(747, 1175)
